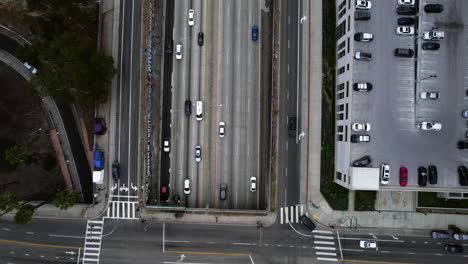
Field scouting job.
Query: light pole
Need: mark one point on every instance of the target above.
(428, 77)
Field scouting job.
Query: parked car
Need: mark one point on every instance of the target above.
(253, 184)
(292, 126)
(367, 244)
(178, 53)
(307, 222)
(362, 15)
(115, 170)
(403, 176)
(422, 176)
(430, 126)
(30, 68)
(362, 162)
(191, 17)
(187, 186)
(436, 234)
(463, 175)
(360, 138)
(363, 4)
(361, 126)
(406, 10)
(429, 95)
(462, 144)
(432, 174)
(363, 37)
(465, 113)
(430, 46)
(254, 33)
(362, 87)
(401, 52)
(166, 146)
(201, 38)
(433, 8)
(222, 191)
(198, 153)
(384, 173)
(405, 21)
(452, 248)
(188, 107)
(461, 236)
(433, 35)
(363, 56)
(406, 2)
(405, 30)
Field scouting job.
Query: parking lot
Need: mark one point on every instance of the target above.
(394, 107)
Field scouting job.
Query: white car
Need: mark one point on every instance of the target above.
(187, 186)
(222, 126)
(384, 173)
(178, 51)
(197, 153)
(166, 146)
(407, 31)
(367, 244)
(429, 95)
(361, 126)
(31, 68)
(191, 17)
(363, 4)
(434, 126)
(406, 2)
(253, 184)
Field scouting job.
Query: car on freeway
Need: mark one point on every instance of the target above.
(367, 244)
(401, 52)
(363, 4)
(433, 8)
(429, 95)
(406, 2)
(253, 184)
(166, 146)
(362, 87)
(115, 170)
(362, 162)
(359, 55)
(362, 15)
(403, 176)
(462, 144)
(307, 222)
(406, 10)
(360, 138)
(405, 30)
(422, 176)
(197, 153)
(187, 186)
(465, 113)
(201, 38)
(254, 33)
(405, 21)
(191, 17)
(430, 126)
(222, 191)
(460, 236)
(178, 52)
(188, 107)
(361, 126)
(222, 127)
(463, 175)
(430, 46)
(384, 173)
(432, 174)
(452, 248)
(363, 36)
(436, 234)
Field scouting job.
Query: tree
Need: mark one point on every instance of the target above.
(16, 155)
(65, 199)
(24, 214)
(8, 202)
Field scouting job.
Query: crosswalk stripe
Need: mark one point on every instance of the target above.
(281, 217)
(292, 214)
(326, 253)
(324, 242)
(327, 259)
(302, 210)
(323, 237)
(325, 248)
(297, 214)
(286, 215)
(322, 231)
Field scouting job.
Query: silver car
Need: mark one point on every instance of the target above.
(197, 153)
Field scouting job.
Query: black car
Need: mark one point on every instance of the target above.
(433, 8)
(362, 162)
(422, 176)
(292, 126)
(405, 21)
(307, 222)
(453, 248)
(406, 10)
(462, 144)
(201, 38)
(432, 174)
(463, 175)
(408, 53)
(168, 46)
(188, 107)
(362, 15)
(115, 171)
(430, 46)
(362, 87)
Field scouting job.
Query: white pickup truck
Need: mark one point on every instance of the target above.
(433, 35)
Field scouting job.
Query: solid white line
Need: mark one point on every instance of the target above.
(250, 256)
(80, 237)
(244, 244)
(411, 253)
(325, 248)
(328, 259)
(324, 242)
(385, 251)
(383, 240)
(346, 249)
(323, 237)
(281, 215)
(326, 253)
(177, 241)
(339, 243)
(322, 231)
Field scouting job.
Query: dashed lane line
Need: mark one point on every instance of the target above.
(244, 244)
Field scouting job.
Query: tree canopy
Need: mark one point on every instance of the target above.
(65, 199)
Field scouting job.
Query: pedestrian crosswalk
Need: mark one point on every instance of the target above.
(325, 245)
(92, 246)
(291, 214)
(122, 210)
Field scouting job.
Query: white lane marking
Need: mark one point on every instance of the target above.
(322, 231)
(438, 254)
(383, 240)
(286, 215)
(292, 214)
(286, 171)
(325, 248)
(250, 256)
(288, 43)
(52, 235)
(30, 233)
(385, 251)
(323, 237)
(287, 145)
(326, 253)
(177, 241)
(244, 244)
(438, 243)
(413, 241)
(411, 253)
(291, 246)
(281, 217)
(210, 242)
(289, 19)
(302, 211)
(328, 259)
(324, 242)
(425, 242)
(6, 229)
(279, 245)
(288, 68)
(359, 250)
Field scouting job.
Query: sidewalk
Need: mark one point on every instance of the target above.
(317, 206)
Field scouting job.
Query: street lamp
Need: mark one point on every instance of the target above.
(428, 77)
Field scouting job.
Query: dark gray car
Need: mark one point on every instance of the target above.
(222, 191)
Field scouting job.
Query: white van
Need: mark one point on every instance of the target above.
(199, 112)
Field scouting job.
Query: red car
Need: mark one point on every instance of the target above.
(403, 176)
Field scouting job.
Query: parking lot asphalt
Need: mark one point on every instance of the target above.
(393, 107)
